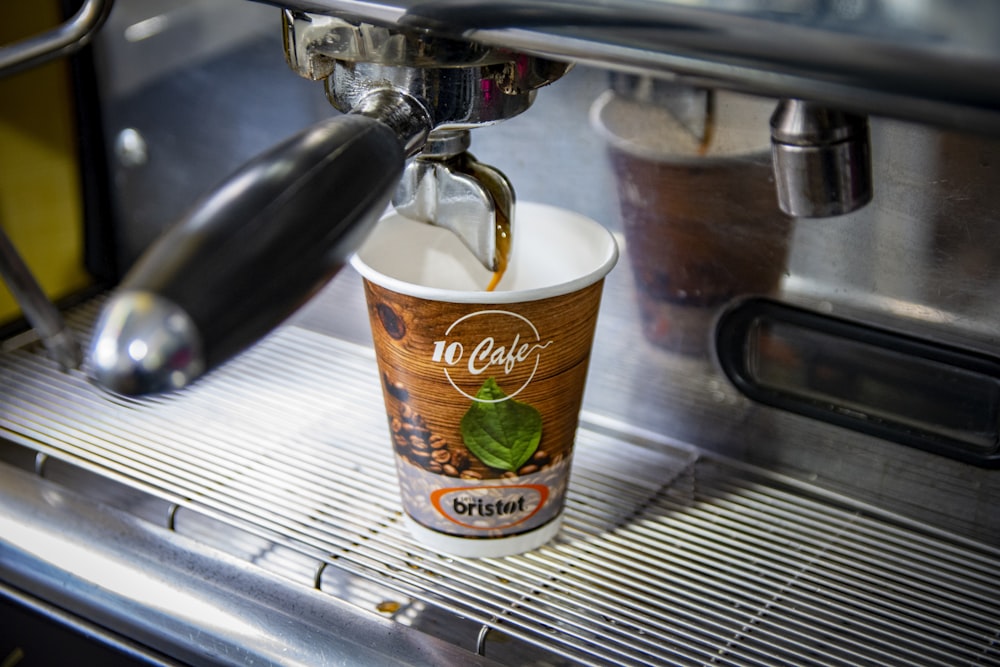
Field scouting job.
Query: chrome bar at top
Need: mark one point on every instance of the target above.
(936, 61)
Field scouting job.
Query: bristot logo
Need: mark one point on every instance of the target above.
(489, 343)
(490, 507)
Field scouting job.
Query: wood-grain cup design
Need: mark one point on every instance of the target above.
(483, 403)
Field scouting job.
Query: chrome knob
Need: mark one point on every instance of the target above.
(822, 159)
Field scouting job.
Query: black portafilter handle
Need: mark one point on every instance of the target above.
(248, 255)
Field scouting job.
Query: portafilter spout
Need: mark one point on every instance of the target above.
(260, 245)
(447, 187)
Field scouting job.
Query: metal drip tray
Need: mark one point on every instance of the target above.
(667, 556)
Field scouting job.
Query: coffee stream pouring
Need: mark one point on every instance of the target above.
(259, 246)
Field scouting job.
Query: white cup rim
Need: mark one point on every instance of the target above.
(606, 257)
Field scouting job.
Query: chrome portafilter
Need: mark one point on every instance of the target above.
(270, 236)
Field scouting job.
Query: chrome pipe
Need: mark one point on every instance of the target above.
(41, 313)
(63, 40)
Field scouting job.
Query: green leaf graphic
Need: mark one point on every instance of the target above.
(503, 434)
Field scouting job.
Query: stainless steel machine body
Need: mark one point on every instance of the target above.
(229, 523)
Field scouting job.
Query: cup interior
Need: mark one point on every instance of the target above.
(554, 251)
(652, 132)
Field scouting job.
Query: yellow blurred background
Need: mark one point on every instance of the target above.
(40, 194)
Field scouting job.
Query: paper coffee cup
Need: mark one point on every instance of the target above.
(701, 222)
(483, 389)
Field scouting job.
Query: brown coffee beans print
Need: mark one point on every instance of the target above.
(415, 442)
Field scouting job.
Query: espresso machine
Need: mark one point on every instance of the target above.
(789, 446)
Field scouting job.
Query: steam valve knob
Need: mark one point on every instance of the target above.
(822, 159)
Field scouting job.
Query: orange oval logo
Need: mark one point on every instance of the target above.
(490, 507)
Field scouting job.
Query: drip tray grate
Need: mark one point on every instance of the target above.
(666, 556)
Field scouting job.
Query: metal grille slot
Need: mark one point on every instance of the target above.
(666, 557)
